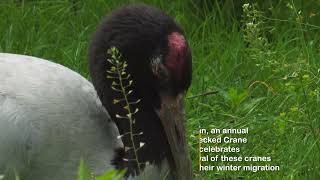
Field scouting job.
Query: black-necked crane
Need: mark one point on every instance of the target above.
(51, 117)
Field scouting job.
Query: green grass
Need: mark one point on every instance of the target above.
(270, 85)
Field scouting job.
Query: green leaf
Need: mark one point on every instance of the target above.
(248, 107)
(112, 175)
(281, 125)
(83, 171)
(17, 177)
(236, 98)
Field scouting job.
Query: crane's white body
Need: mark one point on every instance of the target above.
(50, 118)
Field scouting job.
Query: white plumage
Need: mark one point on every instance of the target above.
(50, 117)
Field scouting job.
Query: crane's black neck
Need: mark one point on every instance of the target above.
(139, 32)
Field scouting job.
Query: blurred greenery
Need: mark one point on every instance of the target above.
(262, 58)
(85, 174)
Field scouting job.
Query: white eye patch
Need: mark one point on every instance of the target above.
(158, 69)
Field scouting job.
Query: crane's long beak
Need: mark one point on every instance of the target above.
(173, 120)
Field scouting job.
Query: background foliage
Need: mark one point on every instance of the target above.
(262, 59)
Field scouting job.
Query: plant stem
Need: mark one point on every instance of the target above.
(129, 116)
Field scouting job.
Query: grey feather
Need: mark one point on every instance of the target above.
(50, 117)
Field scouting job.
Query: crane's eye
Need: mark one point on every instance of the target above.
(158, 69)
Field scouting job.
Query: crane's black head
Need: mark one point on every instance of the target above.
(159, 61)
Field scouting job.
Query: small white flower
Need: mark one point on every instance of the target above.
(250, 24)
(141, 144)
(245, 6)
